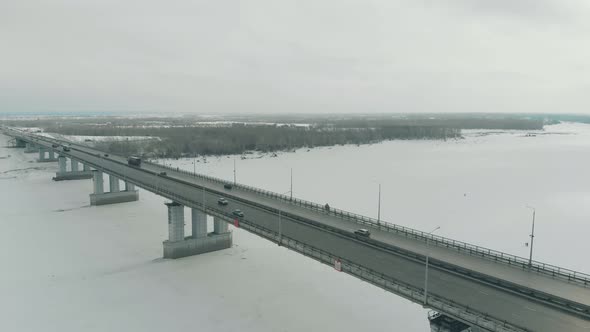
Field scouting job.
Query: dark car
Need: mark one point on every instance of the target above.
(134, 161)
(222, 201)
(106, 154)
(238, 213)
(362, 232)
(54, 145)
(162, 173)
(228, 186)
(66, 149)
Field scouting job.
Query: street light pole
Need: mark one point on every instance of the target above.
(280, 229)
(234, 170)
(532, 237)
(426, 269)
(379, 207)
(291, 183)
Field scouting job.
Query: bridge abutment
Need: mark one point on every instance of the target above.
(200, 241)
(100, 197)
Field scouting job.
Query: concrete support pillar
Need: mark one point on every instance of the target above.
(85, 168)
(51, 154)
(199, 223)
(219, 226)
(114, 184)
(74, 165)
(61, 161)
(175, 222)
(30, 148)
(98, 182)
(129, 186)
(41, 154)
(20, 143)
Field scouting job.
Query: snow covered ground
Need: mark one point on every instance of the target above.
(70, 267)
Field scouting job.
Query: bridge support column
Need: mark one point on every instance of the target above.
(42, 155)
(19, 143)
(199, 223)
(74, 174)
(200, 242)
(442, 323)
(99, 197)
(30, 148)
(129, 186)
(114, 184)
(219, 226)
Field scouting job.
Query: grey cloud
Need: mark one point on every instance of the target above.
(295, 55)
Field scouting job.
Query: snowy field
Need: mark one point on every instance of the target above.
(71, 267)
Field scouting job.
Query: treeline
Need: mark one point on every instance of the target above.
(236, 139)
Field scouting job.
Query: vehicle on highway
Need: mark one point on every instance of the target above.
(65, 148)
(362, 232)
(238, 213)
(222, 201)
(228, 186)
(54, 145)
(162, 173)
(106, 155)
(134, 161)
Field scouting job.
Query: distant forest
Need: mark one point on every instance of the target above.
(186, 136)
(236, 139)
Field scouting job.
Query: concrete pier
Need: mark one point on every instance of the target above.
(200, 242)
(19, 143)
(31, 148)
(199, 223)
(99, 197)
(74, 174)
(219, 226)
(43, 152)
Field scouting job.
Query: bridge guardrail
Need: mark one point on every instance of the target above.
(463, 247)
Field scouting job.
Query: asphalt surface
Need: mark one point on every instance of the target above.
(496, 302)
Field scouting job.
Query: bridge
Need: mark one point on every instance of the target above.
(466, 287)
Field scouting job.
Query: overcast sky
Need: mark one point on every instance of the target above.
(223, 56)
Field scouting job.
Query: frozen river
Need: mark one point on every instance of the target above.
(71, 267)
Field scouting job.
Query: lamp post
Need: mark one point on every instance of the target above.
(379, 207)
(426, 269)
(532, 237)
(234, 170)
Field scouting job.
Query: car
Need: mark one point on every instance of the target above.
(162, 173)
(222, 201)
(54, 145)
(238, 213)
(106, 154)
(362, 232)
(134, 161)
(228, 186)
(65, 148)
